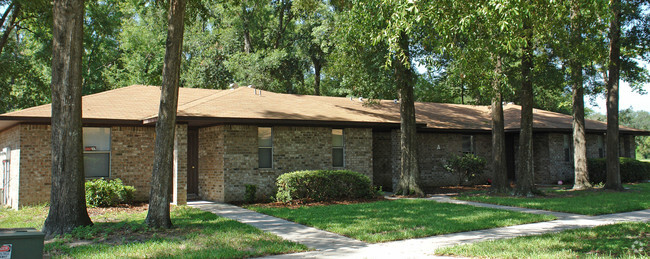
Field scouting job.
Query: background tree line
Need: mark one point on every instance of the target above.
(305, 47)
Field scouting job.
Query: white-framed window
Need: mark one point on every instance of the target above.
(97, 152)
(265, 144)
(338, 148)
(468, 144)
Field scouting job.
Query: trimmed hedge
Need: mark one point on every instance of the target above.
(102, 193)
(632, 170)
(323, 185)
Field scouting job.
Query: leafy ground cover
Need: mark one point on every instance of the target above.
(390, 220)
(588, 202)
(625, 240)
(120, 233)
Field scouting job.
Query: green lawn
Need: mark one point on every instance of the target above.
(196, 234)
(590, 202)
(625, 240)
(400, 219)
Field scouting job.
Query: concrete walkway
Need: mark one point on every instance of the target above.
(331, 245)
(446, 199)
(309, 236)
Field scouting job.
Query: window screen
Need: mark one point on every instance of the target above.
(337, 148)
(468, 144)
(97, 152)
(265, 143)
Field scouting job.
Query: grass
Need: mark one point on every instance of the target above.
(624, 240)
(400, 219)
(589, 202)
(120, 234)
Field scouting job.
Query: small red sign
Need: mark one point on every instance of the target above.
(5, 248)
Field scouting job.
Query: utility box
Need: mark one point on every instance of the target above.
(21, 243)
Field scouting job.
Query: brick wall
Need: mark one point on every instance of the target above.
(559, 168)
(434, 150)
(35, 164)
(10, 138)
(358, 150)
(593, 145)
(211, 163)
(228, 157)
(132, 151)
(179, 174)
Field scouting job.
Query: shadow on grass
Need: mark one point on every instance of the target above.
(627, 240)
(196, 234)
(588, 202)
(400, 219)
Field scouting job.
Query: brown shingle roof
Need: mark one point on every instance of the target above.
(139, 104)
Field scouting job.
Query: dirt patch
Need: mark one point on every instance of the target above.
(126, 208)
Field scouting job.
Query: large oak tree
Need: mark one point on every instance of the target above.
(67, 199)
(159, 198)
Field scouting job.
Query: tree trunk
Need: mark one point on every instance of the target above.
(525, 170)
(248, 45)
(581, 178)
(278, 34)
(10, 26)
(317, 68)
(579, 140)
(67, 198)
(499, 166)
(285, 7)
(613, 171)
(159, 197)
(409, 170)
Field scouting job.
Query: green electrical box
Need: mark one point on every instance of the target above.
(21, 243)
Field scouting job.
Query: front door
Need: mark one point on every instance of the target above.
(192, 162)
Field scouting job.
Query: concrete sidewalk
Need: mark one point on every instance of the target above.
(330, 245)
(309, 236)
(446, 199)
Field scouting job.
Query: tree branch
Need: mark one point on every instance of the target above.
(4, 16)
(12, 24)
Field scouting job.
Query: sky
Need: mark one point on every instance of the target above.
(627, 98)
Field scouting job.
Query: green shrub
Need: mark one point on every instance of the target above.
(250, 194)
(467, 167)
(323, 185)
(632, 170)
(102, 193)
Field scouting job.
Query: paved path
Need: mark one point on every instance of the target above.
(444, 198)
(331, 245)
(309, 236)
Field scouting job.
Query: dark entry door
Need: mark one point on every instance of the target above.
(192, 162)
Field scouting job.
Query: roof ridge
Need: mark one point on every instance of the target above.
(198, 101)
(205, 99)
